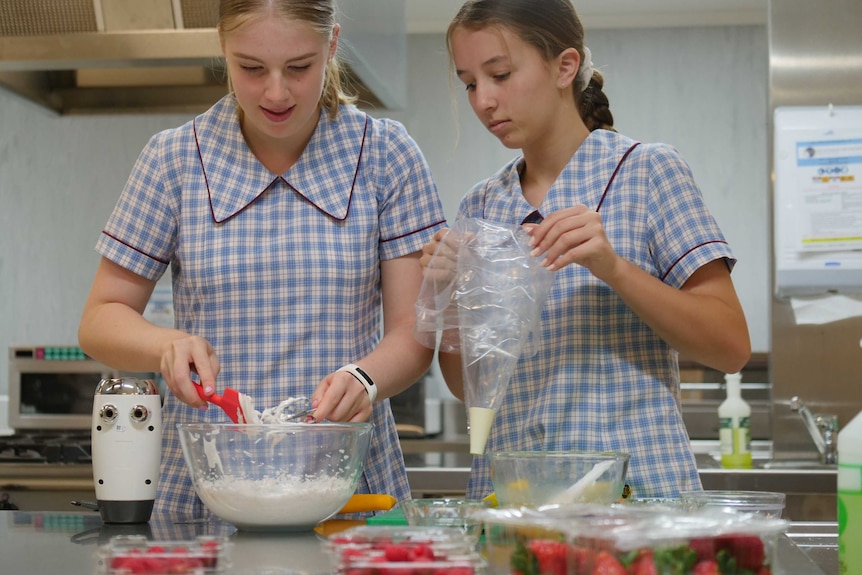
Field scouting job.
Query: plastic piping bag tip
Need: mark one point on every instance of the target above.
(481, 419)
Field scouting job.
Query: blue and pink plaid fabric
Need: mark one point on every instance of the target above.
(602, 380)
(281, 273)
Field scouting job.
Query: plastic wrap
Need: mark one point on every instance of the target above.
(482, 283)
(482, 296)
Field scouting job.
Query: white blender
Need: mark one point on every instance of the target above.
(126, 448)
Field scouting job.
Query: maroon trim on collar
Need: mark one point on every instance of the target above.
(534, 217)
(128, 245)
(209, 191)
(485, 197)
(614, 175)
(352, 184)
(207, 182)
(413, 232)
(673, 265)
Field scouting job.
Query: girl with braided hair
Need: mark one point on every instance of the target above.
(642, 270)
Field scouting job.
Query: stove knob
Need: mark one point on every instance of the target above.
(108, 412)
(139, 414)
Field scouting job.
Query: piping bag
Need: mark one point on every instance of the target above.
(482, 296)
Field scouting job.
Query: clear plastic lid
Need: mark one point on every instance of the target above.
(125, 554)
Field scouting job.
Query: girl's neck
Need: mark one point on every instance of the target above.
(544, 160)
(277, 155)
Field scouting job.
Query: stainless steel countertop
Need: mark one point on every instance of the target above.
(33, 542)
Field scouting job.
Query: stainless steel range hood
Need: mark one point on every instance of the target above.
(163, 56)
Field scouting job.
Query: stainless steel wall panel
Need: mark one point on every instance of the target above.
(815, 59)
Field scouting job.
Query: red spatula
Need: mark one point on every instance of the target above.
(229, 401)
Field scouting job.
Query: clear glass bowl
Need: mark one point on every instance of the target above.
(536, 478)
(445, 512)
(286, 476)
(764, 503)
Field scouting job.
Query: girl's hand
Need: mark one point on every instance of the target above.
(186, 355)
(340, 397)
(442, 267)
(574, 235)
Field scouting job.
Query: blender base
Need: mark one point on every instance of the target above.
(126, 511)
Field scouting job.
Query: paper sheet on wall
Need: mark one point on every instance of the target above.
(828, 195)
(818, 201)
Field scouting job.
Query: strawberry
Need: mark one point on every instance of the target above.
(706, 567)
(704, 547)
(643, 564)
(746, 549)
(396, 553)
(210, 551)
(184, 565)
(581, 559)
(607, 564)
(551, 556)
(421, 552)
(765, 570)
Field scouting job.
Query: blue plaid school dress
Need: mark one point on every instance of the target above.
(602, 380)
(281, 273)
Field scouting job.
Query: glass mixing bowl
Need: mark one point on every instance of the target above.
(535, 478)
(768, 504)
(446, 512)
(287, 476)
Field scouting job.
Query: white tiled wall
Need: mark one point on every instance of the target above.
(703, 90)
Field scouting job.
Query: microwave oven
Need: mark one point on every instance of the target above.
(52, 387)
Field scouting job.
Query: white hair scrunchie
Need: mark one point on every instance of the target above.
(585, 74)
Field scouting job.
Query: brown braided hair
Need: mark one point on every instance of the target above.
(551, 26)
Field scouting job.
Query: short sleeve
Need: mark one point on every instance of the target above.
(684, 235)
(141, 233)
(411, 210)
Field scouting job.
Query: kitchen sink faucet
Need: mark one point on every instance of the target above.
(823, 429)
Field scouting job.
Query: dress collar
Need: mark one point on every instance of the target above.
(324, 174)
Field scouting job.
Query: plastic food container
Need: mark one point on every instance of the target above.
(359, 541)
(708, 540)
(396, 560)
(509, 532)
(393, 549)
(125, 554)
(584, 540)
(446, 512)
(764, 503)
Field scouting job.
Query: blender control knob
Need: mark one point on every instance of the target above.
(139, 414)
(108, 412)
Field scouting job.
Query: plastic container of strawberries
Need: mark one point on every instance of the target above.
(398, 560)
(396, 544)
(686, 542)
(534, 541)
(386, 549)
(590, 539)
(126, 554)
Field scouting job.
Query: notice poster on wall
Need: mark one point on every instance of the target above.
(818, 200)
